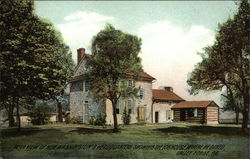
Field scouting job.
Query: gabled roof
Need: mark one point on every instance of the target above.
(79, 64)
(193, 104)
(142, 75)
(163, 95)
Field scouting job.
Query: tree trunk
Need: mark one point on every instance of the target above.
(245, 112)
(10, 113)
(59, 111)
(18, 115)
(237, 117)
(114, 117)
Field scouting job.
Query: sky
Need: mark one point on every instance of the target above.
(172, 32)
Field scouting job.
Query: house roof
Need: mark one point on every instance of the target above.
(193, 104)
(79, 64)
(142, 75)
(77, 78)
(163, 95)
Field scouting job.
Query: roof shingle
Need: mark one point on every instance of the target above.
(159, 94)
(192, 104)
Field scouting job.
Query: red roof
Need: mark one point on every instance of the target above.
(142, 76)
(159, 94)
(193, 104)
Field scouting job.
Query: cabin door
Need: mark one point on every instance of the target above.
(183, 115)
(156, 117)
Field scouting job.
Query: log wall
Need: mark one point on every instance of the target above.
(212, 114)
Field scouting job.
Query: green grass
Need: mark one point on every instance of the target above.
(236, 146)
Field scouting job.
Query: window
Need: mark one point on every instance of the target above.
(141, 93)
(190, 112)
(123, 84)
(86, 86)
(76, 86)
(117, 107)
(129, 106)
(168, 115)
(195, 112)
(130, 83)
(200, 112)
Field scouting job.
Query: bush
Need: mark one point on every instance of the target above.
(99, 120)
(76, 120)
(126, 117)
(40, 113)
(67, 117)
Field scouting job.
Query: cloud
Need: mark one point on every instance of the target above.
(80, 27)
(169, 53)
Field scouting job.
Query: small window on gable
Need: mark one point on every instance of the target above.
(86, 86)
(141, 93)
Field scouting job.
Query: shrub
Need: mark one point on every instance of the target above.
(40, 113)
(67, 117)
(76, 120)
(126, 117)
(99, 120)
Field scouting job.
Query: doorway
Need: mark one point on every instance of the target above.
(156, 117)
(86, 113)
(183, 115)
(141, 114)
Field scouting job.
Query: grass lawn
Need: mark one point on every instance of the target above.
(170, 141)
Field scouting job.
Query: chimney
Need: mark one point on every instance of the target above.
(80, 54)
(167, 88)
(170, 89)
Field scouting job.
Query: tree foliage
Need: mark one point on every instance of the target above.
(225, 64)
(34, 60)
(114, 56)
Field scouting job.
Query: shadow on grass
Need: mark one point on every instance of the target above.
(13, 132)
(92, 130)
(202, 130)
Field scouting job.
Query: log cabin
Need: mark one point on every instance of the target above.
(205, 112)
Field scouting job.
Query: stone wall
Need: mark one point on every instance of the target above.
(78, 100)
(146, 101)
(162, 108)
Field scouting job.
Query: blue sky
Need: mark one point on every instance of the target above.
(172, 32)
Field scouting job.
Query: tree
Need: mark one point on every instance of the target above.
(234, 103)
(114, 57)
(34, 59)
(225, 64)
(39, 113)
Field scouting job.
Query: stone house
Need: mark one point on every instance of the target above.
(153, 105)
(84, 106)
